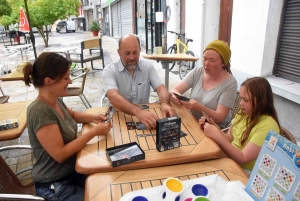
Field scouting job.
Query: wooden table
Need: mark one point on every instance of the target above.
(194, 147)
(166, 59)
(111, 186)
(14, 110)
(13, 76)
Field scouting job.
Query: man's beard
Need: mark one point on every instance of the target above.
(130, 66)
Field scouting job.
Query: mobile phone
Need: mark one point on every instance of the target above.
(109, 114)
(183, 98)
(205, 116)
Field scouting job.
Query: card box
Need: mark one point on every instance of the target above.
(8, 124)
(124, 154)
(168, 133)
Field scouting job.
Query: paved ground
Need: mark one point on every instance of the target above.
(93, 91)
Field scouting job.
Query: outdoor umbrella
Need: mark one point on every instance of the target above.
(23, 25)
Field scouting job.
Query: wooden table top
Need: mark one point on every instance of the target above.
(13, 76)
(111, 186)
(14, 110)
(194, 147)
(170, 57)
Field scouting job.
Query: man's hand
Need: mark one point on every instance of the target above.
(167, 110)
(147, 118)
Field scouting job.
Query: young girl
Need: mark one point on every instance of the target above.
(250, 126)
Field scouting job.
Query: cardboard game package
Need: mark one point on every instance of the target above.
(168, 133)
(276, 174)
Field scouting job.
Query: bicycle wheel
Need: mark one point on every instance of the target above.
(186, 66)
(172, 50)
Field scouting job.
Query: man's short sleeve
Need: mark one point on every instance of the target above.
(109, 78)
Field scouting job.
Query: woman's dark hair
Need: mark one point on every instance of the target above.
(48, 64)
(260, 93)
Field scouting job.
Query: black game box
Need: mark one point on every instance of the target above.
(124, 154)
(168, 133)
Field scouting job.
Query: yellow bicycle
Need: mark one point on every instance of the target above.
(184, 66)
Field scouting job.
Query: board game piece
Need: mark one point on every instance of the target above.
(212, 187)
(267, 164)
(296, 193)
(285, 178)
(276, 173)
(259, 185)
(274, 195)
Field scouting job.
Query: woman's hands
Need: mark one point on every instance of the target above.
(97, 118)
(101, 127)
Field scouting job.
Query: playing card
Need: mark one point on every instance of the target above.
(130, 125)
(140, 126)
(109, 114)
(143, 107)
(205, 116)
(182, 134)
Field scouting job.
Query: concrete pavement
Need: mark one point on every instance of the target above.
(93, 91)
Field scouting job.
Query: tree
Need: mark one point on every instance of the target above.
(5, 8)
(43, 13)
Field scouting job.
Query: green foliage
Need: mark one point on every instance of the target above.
(5, 8)
(43, 13)
(94, 26)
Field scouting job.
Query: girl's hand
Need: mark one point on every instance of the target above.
(102, 128)
(211, 131)
(98, 118)
(202, 122)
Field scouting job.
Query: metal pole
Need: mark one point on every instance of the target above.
(31, 33)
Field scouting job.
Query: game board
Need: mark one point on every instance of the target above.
(214, 187)
(276, 174)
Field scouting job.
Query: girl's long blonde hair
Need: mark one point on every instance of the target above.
(261, 97)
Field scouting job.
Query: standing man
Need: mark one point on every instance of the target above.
(127, 82)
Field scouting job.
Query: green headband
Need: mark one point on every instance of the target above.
(222, 48)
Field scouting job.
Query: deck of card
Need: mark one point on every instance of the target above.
(109, 114)
(182, 98)
(8, 124)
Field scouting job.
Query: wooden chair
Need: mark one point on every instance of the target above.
(288, 135)
(11, 187)
(4, 99)
(78, 91)
(95, 44)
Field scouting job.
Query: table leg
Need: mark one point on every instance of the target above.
(165, 65)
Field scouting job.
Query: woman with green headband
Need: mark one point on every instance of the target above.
(213, 88)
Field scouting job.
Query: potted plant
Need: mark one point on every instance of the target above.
(95, 27)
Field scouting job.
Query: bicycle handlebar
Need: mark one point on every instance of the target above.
(178, 34)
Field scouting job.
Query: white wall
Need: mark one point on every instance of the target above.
(249, 22)
(254, 37)
(201, 24)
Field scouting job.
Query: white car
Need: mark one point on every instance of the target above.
(65, 26)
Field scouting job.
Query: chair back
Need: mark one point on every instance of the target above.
(87, 44)
(237, 105)
(288, 135)
(83, 75)
(9, 182)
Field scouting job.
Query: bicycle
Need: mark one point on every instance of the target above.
(184, 66)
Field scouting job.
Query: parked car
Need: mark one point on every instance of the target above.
(65, 26)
